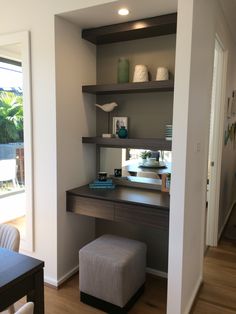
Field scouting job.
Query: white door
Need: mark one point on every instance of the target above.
(216, 142)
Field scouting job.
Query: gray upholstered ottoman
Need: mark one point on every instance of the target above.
(112, 273)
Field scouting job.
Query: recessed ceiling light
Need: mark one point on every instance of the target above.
(123, 11)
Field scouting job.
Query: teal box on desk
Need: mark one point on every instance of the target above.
(96, 184)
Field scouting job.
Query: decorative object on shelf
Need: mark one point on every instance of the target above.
(162, 74)
(107, 108)
(98, 184)
(166, 178)
(123, 133)
(117, 172)
(118, 122)
(140, 73)
(168, 132)
(102, 176)
(123, 70)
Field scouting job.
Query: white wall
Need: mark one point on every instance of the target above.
(198, 22)
(76, 116)
(38, 18)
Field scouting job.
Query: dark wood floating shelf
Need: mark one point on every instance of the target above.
(150, 27)
(128, 88)
(145, 143)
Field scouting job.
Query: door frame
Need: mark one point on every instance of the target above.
(217, 145)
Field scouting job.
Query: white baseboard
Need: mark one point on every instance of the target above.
(50, 281)
(57, 283)
(157, 273)
(226, 219)
(193, 297)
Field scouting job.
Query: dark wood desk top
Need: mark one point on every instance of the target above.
(124, 194)
(14, 266)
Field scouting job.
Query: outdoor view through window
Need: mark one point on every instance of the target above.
(12, 179)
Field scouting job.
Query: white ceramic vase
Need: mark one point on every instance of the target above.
(140, 73)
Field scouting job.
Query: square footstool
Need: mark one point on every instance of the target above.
(112, 273)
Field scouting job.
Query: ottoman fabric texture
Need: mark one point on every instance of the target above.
(112, 268)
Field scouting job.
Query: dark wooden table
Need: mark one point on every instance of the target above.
(20, 276)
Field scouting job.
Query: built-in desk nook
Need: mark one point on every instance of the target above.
(130, 210)
(123, 204)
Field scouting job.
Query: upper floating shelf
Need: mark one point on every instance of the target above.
(145, 143)
(128, 88)
(150, 27)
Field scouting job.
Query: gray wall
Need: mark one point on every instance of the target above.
(147, 115)
(156, 240)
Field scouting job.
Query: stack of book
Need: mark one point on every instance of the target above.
(96, 184)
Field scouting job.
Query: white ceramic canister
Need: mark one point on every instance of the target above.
(162, 74)
(140, 73)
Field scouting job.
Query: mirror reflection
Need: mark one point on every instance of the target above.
(137, 165)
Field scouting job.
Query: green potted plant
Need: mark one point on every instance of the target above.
(146, 154)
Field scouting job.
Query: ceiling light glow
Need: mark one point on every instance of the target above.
(123, 11)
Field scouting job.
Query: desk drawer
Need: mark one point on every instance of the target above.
(142, 215)
(90, 207)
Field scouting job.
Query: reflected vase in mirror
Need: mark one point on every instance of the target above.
(122, 133)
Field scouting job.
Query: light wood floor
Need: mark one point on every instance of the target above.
(217, 295)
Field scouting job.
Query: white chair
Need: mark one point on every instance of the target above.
(9, 239)
(8, 171)
(27, 308)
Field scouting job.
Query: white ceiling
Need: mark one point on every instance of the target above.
(229, 9)
(106, 14)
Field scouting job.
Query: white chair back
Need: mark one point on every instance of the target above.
(7, 169)
(9, 237)
(27, 308)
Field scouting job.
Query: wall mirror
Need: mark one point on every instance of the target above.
(138, 165)
(16, 183)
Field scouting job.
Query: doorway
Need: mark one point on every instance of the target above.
(215, 142)
(16, 197)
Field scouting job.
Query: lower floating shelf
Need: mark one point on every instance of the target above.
(145, 143)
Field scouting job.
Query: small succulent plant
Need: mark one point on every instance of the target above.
(146, 154)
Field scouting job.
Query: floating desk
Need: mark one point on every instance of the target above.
(20, 276)
(123, 204)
